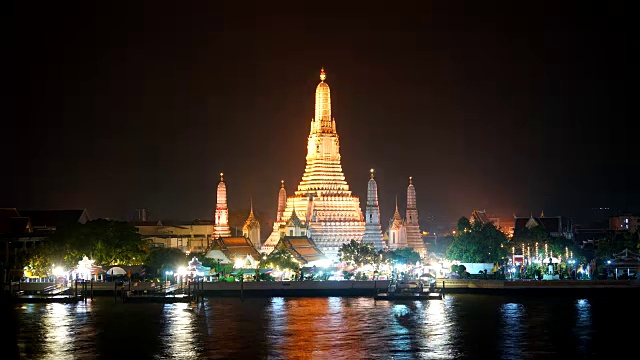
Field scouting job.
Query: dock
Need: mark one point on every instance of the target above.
(409, 296)
(38, 298)
(157, 298)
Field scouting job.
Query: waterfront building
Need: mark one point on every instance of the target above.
(221, 217)
(372, 228)
(251, 228)
(189, 236)
(22, 229)
(323, 201)
(413, 233)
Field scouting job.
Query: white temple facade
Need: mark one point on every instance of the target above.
(406, 232)
(323, 201)
(372, 228)
(397, 233)
(414, 236)
(251, 228)
(221, 217)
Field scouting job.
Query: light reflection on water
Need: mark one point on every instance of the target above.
(513, 331)
(180, 333)
(314, 328)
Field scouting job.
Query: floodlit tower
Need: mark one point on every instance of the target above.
(372, 228)
(221, 227)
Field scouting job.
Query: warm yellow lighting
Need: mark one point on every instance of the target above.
(239, 264)
(58, 271)
(182, 270)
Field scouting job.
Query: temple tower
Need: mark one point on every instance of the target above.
(372, 228)
(221, 218)
(282, 202)
(397, 231)
(414, 236)
(251, 228)
(323, 200)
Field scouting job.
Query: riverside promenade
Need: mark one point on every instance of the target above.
(370, 288)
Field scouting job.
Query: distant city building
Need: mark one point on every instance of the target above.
(142, 214)
(251, 229)
(624, 223)
(221, 217)
(323, 201)
(372, 228)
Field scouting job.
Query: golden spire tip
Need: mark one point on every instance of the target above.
(221, 176)
(323, 75)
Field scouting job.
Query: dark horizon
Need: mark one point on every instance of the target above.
(507, 108)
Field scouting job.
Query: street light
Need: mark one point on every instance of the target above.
(167, 273)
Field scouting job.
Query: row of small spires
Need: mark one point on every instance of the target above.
(282, 181)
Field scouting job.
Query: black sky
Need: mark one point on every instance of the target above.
(499, 106)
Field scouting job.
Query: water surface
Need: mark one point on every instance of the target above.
(460, 326)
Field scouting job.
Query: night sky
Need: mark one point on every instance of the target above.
(497, 107)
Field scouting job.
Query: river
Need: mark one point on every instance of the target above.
(460, 326)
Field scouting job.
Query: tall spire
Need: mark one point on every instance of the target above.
(251, 228)
(372, 228)
(411, 195)
(396, 215)
(323, 121)
(251, 207)
(414, 236)
(323, 200)
(221, 217)
(282, 202)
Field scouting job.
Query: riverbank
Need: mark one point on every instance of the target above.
(536, 287)
(370, 288)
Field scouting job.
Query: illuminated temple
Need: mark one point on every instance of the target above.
(221, 217)
(323, 203)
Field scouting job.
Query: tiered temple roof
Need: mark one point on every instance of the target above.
(302, 249)
(236, 247)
